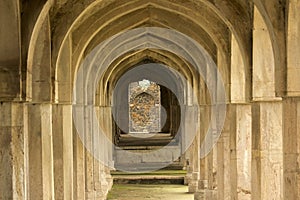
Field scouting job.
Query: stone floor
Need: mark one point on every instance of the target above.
(149, 192)
(158, 185)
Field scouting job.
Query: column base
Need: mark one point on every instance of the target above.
(187, 179)
(210, 194)
(193, 184)
(199, 195)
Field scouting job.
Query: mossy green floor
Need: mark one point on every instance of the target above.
(149, 192)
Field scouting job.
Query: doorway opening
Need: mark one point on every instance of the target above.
(144, 107)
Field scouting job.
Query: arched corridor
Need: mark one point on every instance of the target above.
(91, 88)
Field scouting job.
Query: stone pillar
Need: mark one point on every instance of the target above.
(291, 148)
(231, 67)
(63, 151)
(79, 166)
(293, 48)
(243, 141)
(10, 51)
(189, 168)
(191, 136)
(65, 73)
(223, 159)
(291, 106)
(13, 151)
(208, 182)
(41, 182)
(193, 171)
(239, 75)
(97, 167)
(194, 167)
(89, 176)
(89, 158)
(234, 154)
(193, 184)
(205, 112)
(109, 148)
(211, 170)
(103, 150)
(100, 186)
(267, 152)
(39, 68)
(263, 61)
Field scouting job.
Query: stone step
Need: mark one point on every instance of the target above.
(148, 167)
(147, 159)
(145, 167)
(158, 139)
(149, 180)
(158, 177)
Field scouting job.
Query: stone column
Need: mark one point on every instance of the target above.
(234, 154)
(211, 170)
(223, 159)
(204, 101)
(291, 148)
(291, 106)
(103, 150)
(207, 183)
(239, 74)
(63, 151)
(65, 72)
(89, 157)
(193, 185)
(40, 67)
(100, 185)
(293, 48)
(13, 151)
(89, 176)
(243, 140)
(191, 137)
(98, 172)
(109, 148)
(267, 152)
(185, 145)
(10, 51)
(41, 181)
(263, 61)
(79, 166)
(193, 176)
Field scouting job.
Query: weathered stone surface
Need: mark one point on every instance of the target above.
(291, 148)
(63, 151)
(243, 151)
(12, 151)
(267, 150)
(144, 107)
(263, 60)
(255, 46)
(40, 152)
(10, 51)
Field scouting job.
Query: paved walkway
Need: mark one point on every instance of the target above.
(149, 192)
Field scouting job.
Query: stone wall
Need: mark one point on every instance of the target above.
(144, 107)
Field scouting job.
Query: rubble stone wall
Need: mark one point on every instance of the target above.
(144, 107)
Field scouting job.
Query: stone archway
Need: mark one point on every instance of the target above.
(144, 107)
